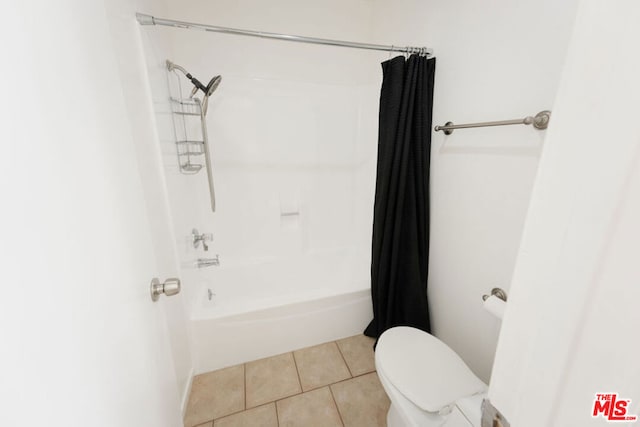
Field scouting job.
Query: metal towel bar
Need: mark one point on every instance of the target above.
(539, 121)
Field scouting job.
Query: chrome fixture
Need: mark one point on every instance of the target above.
(197, 85)
(498, 293)
(189, 147)
(201, 238)
(210, 294)
(539, 121)
(169, 287)
(144, 19)
(208, 262)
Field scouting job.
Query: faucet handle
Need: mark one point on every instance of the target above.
(204, 238)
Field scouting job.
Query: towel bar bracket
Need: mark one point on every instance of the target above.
(497, 292)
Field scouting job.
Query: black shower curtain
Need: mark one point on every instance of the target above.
(400, 247)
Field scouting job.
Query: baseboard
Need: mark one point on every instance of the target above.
(186, 392)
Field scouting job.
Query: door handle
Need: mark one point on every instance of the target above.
(169, 287)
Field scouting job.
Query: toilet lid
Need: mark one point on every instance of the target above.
(424, 369)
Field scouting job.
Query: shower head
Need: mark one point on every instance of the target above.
(213, 85)
(197, 85)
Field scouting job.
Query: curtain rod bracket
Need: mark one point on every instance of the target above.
(144, 19)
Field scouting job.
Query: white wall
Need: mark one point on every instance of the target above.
(495, 60)
(81, 342)
(137, 64)
(570, 330)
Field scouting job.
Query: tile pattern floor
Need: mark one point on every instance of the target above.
(332, 384)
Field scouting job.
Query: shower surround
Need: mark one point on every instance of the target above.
(293, 219)
(292, 132)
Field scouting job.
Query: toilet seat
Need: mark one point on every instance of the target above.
(424, 369)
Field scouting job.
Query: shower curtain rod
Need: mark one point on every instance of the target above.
(144, 19)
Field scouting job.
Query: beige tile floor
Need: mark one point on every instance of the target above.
(331, 384)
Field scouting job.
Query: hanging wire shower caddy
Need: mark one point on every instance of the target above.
(192, 144)
(190, 147)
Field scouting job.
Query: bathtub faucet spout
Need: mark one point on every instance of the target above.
(208, 262)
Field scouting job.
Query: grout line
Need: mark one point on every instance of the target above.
(295, 362)
(244, 369)
(343, 359)
(204, 422)
(302, 391)
(237, 412)
(318, 387)
(357, 376)
(336, 404)
(227, 415)
(274, 401)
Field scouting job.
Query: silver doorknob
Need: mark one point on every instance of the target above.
(169, 287)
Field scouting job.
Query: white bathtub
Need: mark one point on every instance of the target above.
(270, 306)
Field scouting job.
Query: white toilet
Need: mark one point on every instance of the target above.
(427, 382)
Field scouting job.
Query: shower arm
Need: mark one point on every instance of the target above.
(171, 66)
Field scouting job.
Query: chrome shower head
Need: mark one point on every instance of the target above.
(213, 85)
(207, 90)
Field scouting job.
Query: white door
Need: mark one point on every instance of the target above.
(81, 342)
(570, 331)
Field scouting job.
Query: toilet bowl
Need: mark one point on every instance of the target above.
(427, 382)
